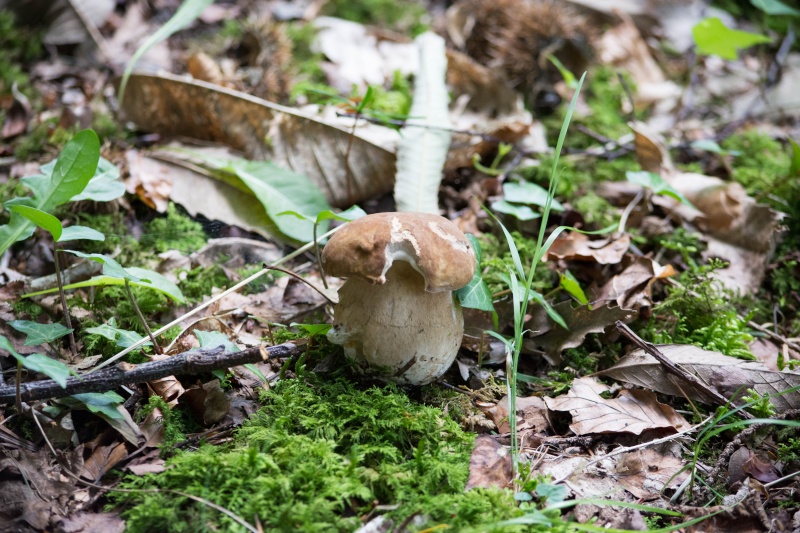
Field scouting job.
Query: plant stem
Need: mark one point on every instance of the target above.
(156, 346)
(73, 348)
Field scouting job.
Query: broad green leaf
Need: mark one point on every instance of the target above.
(212, 339)
(104, 186)
(128, 338)
(149, 279)
(258, 373)
(520, 212)
(39, 333)
(709, 146)
(775, 7)
(46, 221)
(74, 168)
(55, 370)
(80, 233)
(476, 294)
(110, 266)
(655, 183)
(351, 213)
(525, 192)
(571, 285)
(281, 190)
(185, 15)
(425, 138)
(105, 403)
(714, 38)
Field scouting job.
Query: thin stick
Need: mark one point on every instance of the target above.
(135, 305)
(322, 292)
(671, 368)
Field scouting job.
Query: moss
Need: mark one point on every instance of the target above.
(198, 282)
(174, 231)
(307, 60)
(315, 458)
(762, 166)
(20, 44)
(24, 307)
(400, 15)
(596, 211)
(45, 136)
(578, 176)
(709, 321)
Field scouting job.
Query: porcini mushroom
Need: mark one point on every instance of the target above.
(397, 315)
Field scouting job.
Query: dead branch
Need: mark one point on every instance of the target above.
(187, 363)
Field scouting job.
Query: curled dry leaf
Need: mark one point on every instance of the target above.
(632, 288)
(728, 375)
(103, 459)
(531, 415)
(207, 403)
(577, 246)
(633, 411)
(150, 180)
(174, 106)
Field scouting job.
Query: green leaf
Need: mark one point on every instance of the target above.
(73, 170)
(709, 146)
(655, 183)
(39, 333)
(46, 221)
(775, 7)
(151, 280)
(476, 294)
(104, 186)
(80, 233)
(110, 267)
(128, 338)
(281, 190)
(185, 15)
(520, 212)
(794, 169)
(123, 337)
(313, 329)
(105, 403)
(569, 78)
(571, 285)
(212, 339)
(525, 192)
(352, 213)
(55, 370)
(714, 38)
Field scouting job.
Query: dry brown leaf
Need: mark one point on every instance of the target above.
(208, 403)
(103, 459)
(577, 246)
(203, 68)
(631, 288)
(150, 180)
(17, 116)
(727, 375)
(174, 106)
(88, 522)
(531, 415)
(490, 464)
(488, 89)
(552, 339)
(646, 472)
(633, 411)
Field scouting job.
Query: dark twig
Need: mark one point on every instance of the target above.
(65, 308)
(671, 368)
(187, 363)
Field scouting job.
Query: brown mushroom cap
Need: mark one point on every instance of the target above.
(434, 246)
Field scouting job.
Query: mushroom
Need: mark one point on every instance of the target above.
(397, 316)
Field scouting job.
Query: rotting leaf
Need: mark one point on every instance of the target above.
(632, 288)
(489, 465)
(102, 460)
(633, 411)
(730, 376)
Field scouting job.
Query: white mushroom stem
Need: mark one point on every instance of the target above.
(397, 328)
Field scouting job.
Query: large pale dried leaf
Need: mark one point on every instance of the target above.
(631, 288)
(727, 375)
(490, 464)
(633, 411)
(581, 320)
(577, 246)
(262, 130)
(150, 180)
